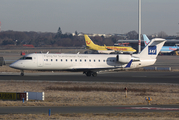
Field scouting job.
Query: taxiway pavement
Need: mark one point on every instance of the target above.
(88, 109)
(121, 76)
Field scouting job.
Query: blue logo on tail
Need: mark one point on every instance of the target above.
(152, 50)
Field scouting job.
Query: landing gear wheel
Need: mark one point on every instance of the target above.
(94, 74)
(88, 74)
(22, 73)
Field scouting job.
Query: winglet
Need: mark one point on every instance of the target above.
(129, 64)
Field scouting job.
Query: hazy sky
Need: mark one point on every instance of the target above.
(89, 16)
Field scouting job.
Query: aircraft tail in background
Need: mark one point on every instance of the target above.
(146, 40)
(165, 49)
(88, 41)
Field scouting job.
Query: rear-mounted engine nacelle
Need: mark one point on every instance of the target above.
(122, 58)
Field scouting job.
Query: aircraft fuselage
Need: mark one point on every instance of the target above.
(65, 62)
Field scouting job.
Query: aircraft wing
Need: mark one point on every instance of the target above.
(92, 69)
(101, 69)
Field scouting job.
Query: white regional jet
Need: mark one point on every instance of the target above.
(89, 64)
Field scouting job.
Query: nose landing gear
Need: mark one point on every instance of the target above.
(22, 73)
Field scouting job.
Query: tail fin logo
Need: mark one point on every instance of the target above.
(152, 50)
(88, 42)
(147, 42)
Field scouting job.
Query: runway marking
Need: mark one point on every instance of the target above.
(149, 108)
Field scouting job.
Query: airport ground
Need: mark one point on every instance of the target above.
(63, 95)
(107, 89)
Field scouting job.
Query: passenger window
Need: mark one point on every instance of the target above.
(94, 60)
(80, 60)
(51, 59)
(66, 60)
(89, 60)
(46, 59)
(71, 60)
(56, 59)
(85, 60)
(103, 60)
(99, 60)
(76, 60)
(61, 60)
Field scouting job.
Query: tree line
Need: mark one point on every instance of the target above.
(47, 39)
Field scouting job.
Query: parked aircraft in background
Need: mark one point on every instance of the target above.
(107, 49)
(165, 49)
(89, 64)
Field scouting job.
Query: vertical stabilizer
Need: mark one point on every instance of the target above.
(88, 41)
(146, 40)
(152, 49)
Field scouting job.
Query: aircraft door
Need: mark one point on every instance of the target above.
(40, 60)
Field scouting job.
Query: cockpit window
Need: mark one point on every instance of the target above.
(26, 58)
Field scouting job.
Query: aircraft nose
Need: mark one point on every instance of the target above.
(13, 65)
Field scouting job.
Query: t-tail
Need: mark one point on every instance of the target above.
(152, 49)
(147, 56)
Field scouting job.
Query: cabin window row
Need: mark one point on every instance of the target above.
(79, 60)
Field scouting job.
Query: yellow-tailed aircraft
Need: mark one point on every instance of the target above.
(107, 49)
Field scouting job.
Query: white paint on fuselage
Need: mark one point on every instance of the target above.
(66, 62)
(41, 61)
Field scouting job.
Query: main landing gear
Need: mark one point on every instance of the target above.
(90, 73)
(22, 73)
